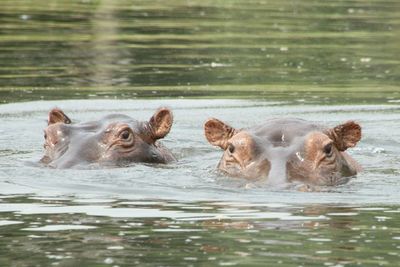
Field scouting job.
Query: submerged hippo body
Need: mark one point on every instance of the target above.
(113, 140)
(286, 150)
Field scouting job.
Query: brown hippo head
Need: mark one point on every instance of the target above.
(286, 150)
(113, 140)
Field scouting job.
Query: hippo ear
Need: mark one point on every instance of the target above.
(57, 115)
(161, 123)
(218, 133)
(345, 135)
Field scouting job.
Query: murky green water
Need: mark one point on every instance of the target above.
(318, 60)
(114, 233)
(191, 48)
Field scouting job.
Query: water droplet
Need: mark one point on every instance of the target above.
(298, 155)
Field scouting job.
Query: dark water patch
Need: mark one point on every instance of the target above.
(301, 95)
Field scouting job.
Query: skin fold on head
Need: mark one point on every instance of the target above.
(284, 150)
(114, 140)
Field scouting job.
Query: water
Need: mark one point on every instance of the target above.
(186, 213)
(250, 60)
(158, 48)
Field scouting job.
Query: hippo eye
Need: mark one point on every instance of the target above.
(231, 148)
(125, 135)
(328, 149)
(45, 135)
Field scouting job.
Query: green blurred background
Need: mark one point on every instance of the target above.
(125, 49)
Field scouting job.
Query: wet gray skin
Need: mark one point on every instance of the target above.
(287, 150)
(114, 140)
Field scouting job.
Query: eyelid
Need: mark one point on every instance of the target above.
(125, 129)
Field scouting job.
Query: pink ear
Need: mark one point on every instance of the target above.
(346, 135)
(218, 133)
(161, 123)
(57, 115)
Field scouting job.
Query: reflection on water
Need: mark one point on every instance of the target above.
(197, 47)
(51, 231)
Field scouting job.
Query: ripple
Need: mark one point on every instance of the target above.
(342, 214)
(320, 239)
(9, 222)
(59, 227)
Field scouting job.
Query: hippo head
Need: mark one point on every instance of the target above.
(113, 140)
(286, 150)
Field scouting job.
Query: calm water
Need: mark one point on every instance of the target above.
(323, 61)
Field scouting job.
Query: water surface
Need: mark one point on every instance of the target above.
(318, 60)
(187, 213)
(193, 48)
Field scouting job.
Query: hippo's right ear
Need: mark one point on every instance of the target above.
(345, 135)
(161, 123)
(57, 115)
(218, 133)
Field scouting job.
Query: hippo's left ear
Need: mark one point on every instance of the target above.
(345, 135)
(218, 133)
(57, 115)
(161, 123)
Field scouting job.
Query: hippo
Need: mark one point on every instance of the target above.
(286, 150)
(114, 140)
